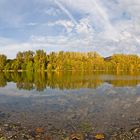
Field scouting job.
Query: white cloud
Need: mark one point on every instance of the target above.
(47, 43)
(84, 27)
(66, 23)
(93, 7)
(65, 10)
(74, 43)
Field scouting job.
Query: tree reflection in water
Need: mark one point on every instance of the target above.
(66, 80)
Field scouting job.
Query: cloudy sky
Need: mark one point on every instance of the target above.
(105, 26)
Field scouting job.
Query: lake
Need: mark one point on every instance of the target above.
(62, 105)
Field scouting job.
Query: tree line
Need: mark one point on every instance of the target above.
(69, 61)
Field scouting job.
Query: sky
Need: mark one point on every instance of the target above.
(104, 26)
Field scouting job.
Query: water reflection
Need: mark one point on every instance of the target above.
(67, 80)
(105, 101)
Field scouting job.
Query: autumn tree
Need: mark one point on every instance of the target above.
(3, 59)
(40, 60)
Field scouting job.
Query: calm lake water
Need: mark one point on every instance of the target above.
(99, 102)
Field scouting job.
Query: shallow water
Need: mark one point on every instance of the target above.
(71, 102)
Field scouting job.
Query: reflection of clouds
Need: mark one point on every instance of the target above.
(11, 90)
(100, 109)
(104, 87)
